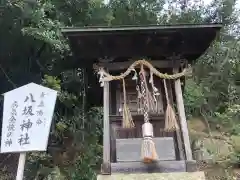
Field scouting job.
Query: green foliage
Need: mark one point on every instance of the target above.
(194, 98)
(87, 165)
(230, 118)
(52, 82)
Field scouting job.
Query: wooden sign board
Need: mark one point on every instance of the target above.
(27, 117)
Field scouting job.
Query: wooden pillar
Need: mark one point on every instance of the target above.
(182, 118)
(106, 166)
(180, 150)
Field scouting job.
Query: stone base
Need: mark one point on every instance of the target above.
(140, 167)
(155, 176)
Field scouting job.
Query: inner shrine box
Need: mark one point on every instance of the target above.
(169, 49)
(126, 143)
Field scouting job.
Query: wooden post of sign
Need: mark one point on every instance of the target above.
(182, 117)
(21, 165)
(106, 166)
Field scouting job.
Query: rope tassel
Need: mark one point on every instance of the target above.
(149, 153)
(170, 116)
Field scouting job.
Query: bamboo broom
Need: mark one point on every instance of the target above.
(170, 116)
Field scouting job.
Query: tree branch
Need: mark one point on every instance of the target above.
(8, 78)
(37, 56)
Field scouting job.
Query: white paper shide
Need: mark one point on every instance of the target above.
(27, 117)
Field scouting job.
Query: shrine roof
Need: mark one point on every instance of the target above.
(186, 41)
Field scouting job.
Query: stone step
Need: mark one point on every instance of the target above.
(155, 176)
(140, 167)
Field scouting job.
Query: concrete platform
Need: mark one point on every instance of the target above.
(155, 176)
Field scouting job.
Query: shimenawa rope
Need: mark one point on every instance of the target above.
(104, 76)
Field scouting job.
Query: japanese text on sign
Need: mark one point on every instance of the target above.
(27, 118)
(11, 124)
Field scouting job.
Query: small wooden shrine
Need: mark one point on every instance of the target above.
(138, 73)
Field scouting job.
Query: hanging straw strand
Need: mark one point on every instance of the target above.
(127, 117)
(170, 116)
